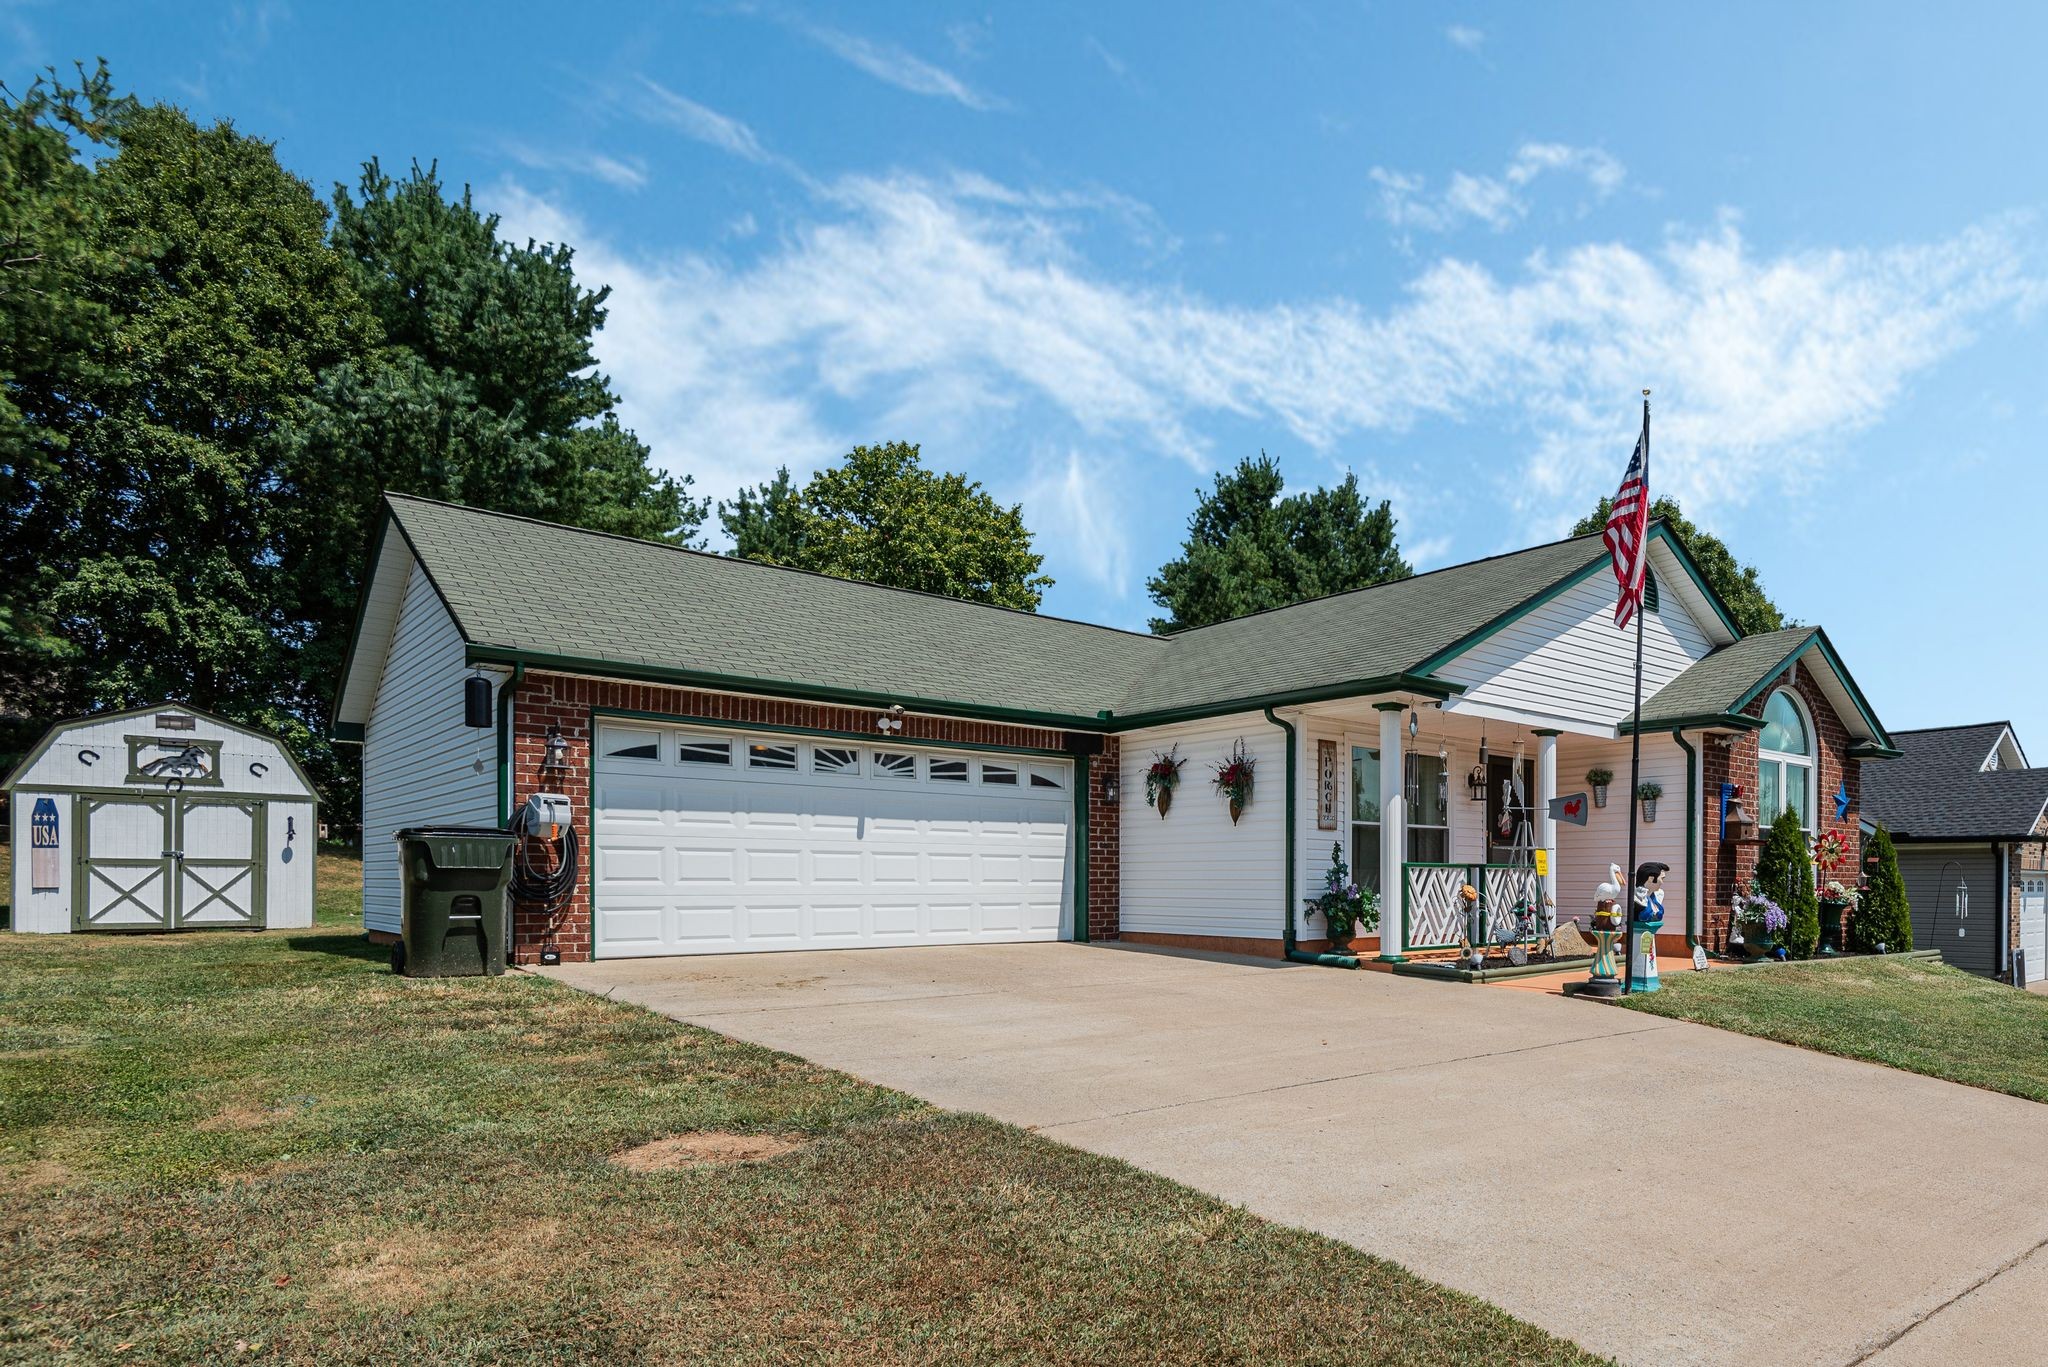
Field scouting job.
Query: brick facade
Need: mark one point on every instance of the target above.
(2025, 857)
(567, 703)
(1728, 867)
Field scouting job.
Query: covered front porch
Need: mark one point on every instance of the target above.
(1424, 796)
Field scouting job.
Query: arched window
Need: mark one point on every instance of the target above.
(1785, 760)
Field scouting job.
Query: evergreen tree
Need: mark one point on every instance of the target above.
(1249, 549)
(1884, 918)
(1784, 871)
(763, 522)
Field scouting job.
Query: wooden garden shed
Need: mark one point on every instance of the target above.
(161, 818)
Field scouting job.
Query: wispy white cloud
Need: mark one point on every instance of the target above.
(907, 306)
(626, 173)
(1466, 37)
(893, 65)
(659, 104)
(1499, 202)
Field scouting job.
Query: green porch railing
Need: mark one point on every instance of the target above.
(1433, 915)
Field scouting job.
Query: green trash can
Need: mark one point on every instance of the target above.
(454, 880)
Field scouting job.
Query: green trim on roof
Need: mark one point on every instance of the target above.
(1507, 619)
(1392, 683)
(1771, 675)
(1692, 570)
(773, 688)
(1701, 721)
(347, 732)
(1855, 693)
(1864, 749)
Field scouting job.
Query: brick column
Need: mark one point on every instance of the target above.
(1105, 841)
(563, 703)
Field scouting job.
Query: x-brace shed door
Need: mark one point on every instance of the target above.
(220, 861)
(126, 863)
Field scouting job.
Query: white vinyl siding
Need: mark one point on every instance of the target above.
(1583, 853)
(1566, 660)
(1194, 873)
(418, 757)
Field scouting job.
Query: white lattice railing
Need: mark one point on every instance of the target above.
(1434, 914)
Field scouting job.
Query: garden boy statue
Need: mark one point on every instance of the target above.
(1645, 920)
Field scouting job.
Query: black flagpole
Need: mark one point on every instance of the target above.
(1635, 759)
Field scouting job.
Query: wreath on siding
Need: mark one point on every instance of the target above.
(1234, 779)
(1162, 778)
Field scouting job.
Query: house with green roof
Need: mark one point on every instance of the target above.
(757, 758)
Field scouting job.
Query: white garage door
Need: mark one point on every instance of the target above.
(710, 842)
(2034, 923)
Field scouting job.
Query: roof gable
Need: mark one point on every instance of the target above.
(1715, 691)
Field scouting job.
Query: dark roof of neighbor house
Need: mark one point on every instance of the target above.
(1938, 789)
(560, 597)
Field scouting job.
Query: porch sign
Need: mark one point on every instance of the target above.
(1570, 808)
(1326, 785)
(42, 840)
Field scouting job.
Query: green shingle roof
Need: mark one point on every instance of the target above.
(1373, 633)
(563, 597)
(1719, 684)
(539, 589)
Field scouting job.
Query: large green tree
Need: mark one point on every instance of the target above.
(881, 515)
(53, 335)
(1737, 583)
(153, 540)
(203, 392)
(1248, 548)
(483, 390)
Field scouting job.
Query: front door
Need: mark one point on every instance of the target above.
(1504, 812)
(126, 856)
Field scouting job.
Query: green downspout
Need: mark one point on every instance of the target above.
(505, 691)
(1292, 855)
(1695, 914)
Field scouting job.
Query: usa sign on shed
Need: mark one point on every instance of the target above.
(162, 818)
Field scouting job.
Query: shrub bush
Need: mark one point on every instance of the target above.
(1885, 918)
(1784, 873)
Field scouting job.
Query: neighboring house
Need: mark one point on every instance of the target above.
(782, 760)
(1970, 820)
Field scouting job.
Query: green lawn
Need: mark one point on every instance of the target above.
(1923, 1017)
(224, 1146)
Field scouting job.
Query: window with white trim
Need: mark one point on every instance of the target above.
(1785, 768)
(1003, 775)
(770, 755)
(1045, 776)
(895, 764)
(623, 743)
(705, 750)
(1429, 831)
(834, 759)
(949, 771)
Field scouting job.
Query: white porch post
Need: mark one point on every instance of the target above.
(1393, 831)
(1546, 824)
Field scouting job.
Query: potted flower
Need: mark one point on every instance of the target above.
(1161, 779)
(1647, 794)
(1836, 899)
(1234, 780)
(1345, 907)
(1830, 856)
(1759, 922)
(1599, 778)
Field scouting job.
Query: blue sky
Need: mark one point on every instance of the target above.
(1090, 254)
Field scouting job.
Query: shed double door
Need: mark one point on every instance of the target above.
(168, 861)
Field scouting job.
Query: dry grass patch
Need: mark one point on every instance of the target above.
(704, 1149)
(407, 1268)
(236, 1116)
(42, 1174)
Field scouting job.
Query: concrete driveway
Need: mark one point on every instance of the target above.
(1659, 1191)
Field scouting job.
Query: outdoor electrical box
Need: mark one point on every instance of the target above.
(545, 816)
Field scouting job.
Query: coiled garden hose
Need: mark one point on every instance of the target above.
(546, 881)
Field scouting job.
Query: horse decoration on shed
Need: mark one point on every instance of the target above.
(190, 761)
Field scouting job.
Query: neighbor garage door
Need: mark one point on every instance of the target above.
(712, 842)
(2034, 923)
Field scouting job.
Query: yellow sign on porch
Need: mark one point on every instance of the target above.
(1542, 863)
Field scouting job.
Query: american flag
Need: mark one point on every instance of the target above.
(1627, 525)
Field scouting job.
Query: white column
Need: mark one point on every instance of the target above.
(1393, 830)
(1546, 825)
